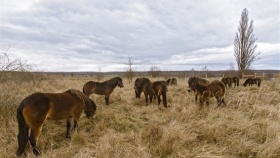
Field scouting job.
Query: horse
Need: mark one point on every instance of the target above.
(160, 88)
(227, 81)
(138, 84)
(147, 89)
(37, 107)
(205, 90)
(235, 80)
(252, 81)
(171, 82)
(192, 81)
(103, 88)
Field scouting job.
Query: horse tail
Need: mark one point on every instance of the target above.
(164, 90)
(22, 130)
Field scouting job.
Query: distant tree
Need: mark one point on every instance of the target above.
(129, 70)
(154, 71)
(244, 43)
(204, 70)
(99, 74)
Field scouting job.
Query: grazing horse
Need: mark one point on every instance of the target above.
(171, 82)
(227, 81)
(235, 80)
(138, 86)
(160, 88)
(192, 81)
(103, 88)
(205, 90)
(37, 107)
(252, 81)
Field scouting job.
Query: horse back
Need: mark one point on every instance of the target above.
(159, 87)
(65, 105)
(217, 87)
(147, 88)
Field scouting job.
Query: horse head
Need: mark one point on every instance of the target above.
(90, 108)
(120, 83)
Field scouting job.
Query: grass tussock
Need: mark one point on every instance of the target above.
(248, 126)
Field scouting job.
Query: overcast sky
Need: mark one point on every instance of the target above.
(94, 35)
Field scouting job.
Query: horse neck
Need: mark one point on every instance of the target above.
(112, 84)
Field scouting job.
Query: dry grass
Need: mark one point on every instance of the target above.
(247, 127)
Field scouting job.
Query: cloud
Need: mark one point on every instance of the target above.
(175, 35)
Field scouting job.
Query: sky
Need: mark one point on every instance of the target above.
(102, 35)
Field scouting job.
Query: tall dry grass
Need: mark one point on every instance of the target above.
(247, 127)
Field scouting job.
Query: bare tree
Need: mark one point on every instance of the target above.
(204, 71)
(154, 71)
(244, 43)
(99, 74)
(129, 69)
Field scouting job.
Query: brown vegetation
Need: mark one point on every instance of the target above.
(248, 126)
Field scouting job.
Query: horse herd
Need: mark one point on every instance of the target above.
(37, 107)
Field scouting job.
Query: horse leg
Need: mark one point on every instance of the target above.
(33, 139)
(158, 98)
(68, 127)
(107, 99)
(151, 98)
(223, 101)
(75, 124)
(146, 98)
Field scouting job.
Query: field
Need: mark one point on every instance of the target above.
(248, 126)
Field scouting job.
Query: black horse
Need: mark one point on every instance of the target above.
(103, 88)
(251, 81)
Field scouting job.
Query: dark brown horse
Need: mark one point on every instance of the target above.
(227, 81)
(37, 107)
(235, 81)
(147, 89)
(103, 88)
(171, 82)
(160, 89)
(138, 86)
(252, 81)
(194, 80)
(205, 90)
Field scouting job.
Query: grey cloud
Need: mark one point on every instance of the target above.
(169, 34)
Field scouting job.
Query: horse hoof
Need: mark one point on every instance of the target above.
(22, 154)
(36, 152)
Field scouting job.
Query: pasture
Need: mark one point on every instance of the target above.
(248, 126)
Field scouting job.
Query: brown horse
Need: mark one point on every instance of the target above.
(160, 88)
(194, 80)
(147, 88)
(227, 81)
(103, 88)
(235, 80)
(37, 107)
(252, 81)
(205, 90)
(138, 86)
(171, 82)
